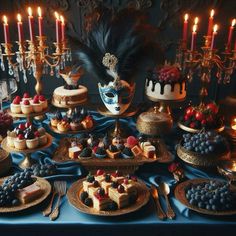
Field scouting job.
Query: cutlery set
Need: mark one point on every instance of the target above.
(59, 188)
(163, 190)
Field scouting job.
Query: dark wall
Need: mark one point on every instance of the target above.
(167, 15)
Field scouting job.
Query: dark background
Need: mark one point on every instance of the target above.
(167, 15)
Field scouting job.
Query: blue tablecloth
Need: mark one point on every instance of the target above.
(144, 221)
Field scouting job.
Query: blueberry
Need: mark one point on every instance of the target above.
(88, 202)
(83, 196)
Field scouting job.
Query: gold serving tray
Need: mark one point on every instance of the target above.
(199, 160)
(76, 188)
(191, 130)
(44, 184)
(126, 166)
(180, 196)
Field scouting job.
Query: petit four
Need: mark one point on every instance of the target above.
(113, 152)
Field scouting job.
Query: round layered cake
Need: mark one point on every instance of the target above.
(166, 84)
(63, 96)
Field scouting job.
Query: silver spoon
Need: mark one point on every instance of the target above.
(164, 191)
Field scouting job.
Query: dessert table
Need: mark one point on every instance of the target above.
(72, 222)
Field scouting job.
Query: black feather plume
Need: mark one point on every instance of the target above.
(126, 35)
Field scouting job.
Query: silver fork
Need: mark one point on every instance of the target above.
(60, 187)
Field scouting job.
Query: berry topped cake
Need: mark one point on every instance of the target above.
(166, 84)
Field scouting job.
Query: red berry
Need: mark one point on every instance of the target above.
(212, 107)
(36, 134)
(36, 100)
(117, 173)
(190, 111)
(26, 95)
(26, 102)
(42, 98)
(16, 101)
(120, 189)
(21, 126)
(199, 116)
(27, 124)
(100, 172)
(20, 136)
(203, 122)
(186, 117)
(192, 125)
(131, 141)
(173, 167)
(125, 181)
(210, 119)
(18, 98)
(95, 149)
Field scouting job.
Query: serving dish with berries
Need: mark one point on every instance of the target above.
(204, 116)
(203, 149)
(22, 191)
(108, 194)
(207, 196)
(94, 152)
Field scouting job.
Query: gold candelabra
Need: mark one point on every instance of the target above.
(193, 62)
(34, 57)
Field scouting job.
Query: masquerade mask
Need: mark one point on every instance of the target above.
(118, 94)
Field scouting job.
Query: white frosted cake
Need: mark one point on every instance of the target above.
(166, 84)
(63, 96)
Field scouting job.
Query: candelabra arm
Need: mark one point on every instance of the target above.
(57, 58)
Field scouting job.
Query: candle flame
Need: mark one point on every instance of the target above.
(233, 124)
(57, 15)
(233, 22)
(4, 19)
(196, 20)
(215, 28)
(212, 13)
(194, 28)
(30, 11)
(19, 17)
(186, 17)
(39, 12)
(62, 20)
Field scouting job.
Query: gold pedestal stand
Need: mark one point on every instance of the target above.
(27, 161)
(118, 130)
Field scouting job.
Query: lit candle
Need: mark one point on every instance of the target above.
(196, 20)
(20, 28)
(215, 28)
(210, 23)
(6, 30)
(194, 34)
(233, 124)
(62, 28)
(31, 24)
(185, 30)
(40, 22)
(58, 28)
(231, 28)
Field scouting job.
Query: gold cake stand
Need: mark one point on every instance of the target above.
(118, 130)
(27, 161)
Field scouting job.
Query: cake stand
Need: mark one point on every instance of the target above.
(118, 130)
(27, 161)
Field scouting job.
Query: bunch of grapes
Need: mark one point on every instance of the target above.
(204, 142)
(11, 185)
(43, 170)
(212, 195)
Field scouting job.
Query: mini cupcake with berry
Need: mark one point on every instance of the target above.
(43, 101)
(32, 141)
(166, 83)
(37, 106)
(15, 105)
(20, 142)
(26, 96)
(26, 107)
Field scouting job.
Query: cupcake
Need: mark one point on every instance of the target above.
(11, 136)
(37, 106)
(26, 96)
(87, 122)
(86, 153)
(127, 153)
(63, 126)
(56, 119)
(26, 107)
(15, 105)
(20, 142)
(32, 141)
(43, 101)
(100, 153)
(76, 125)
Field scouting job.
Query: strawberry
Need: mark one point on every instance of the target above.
(16, 101)
(131, 141)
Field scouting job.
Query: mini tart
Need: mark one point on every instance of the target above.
(15, 108)
(20, 143)
(26, 109)
(37, 107)
(54, 121)
(44, 104)
(76, 126)
(63, 126)
(43, 140)
(32, 143)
